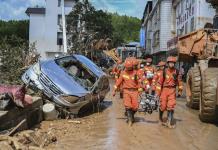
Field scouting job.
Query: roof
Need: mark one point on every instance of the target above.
(148, 6)
(35, 11)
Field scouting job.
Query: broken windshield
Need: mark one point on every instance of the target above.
(78, 71)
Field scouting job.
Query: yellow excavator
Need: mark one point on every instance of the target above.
(201, 48)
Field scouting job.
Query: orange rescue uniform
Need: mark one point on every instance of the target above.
(130, 85)
(166, 88)
(148, 82)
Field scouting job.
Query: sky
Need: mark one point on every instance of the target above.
(15, 9)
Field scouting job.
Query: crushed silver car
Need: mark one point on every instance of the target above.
(71, 82)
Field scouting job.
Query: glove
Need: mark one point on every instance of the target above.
(179, 93)
(113, 93)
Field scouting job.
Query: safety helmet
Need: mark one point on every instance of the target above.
(148, 60)
(135, 62)
(172, 59)
(149, 75)
(119, 62)
(161, 63)
(128, 64)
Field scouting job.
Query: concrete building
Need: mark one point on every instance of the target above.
(169, 19)
(188, 16)
(157, 25)
(45, 27)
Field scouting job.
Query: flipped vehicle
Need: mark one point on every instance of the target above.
(71, 82)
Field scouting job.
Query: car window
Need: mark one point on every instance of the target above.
(78, 71)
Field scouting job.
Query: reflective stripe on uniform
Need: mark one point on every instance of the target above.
(145, 81)
(180, 87)
(158, 87)
(126, 76)
(140, 89)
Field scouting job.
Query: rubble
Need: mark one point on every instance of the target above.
(13, 116)
(28, 140)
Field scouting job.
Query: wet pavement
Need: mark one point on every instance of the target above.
(108, 130)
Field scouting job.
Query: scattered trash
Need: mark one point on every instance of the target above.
(49, 112)
(28, 139)
(18, 92)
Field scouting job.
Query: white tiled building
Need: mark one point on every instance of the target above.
(188, 16)
(45, 28)
(157, 25)
(169, 19)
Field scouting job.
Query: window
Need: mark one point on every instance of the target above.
(59, 38)
(182, 7)
(186, 27)
(192, 27)
(78, 71)
(59, 20)
(156, 38)
(59, 3)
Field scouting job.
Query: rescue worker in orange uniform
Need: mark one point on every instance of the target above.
(129, 81)
(116, 72)
(149, 71)
(160, 67)
(166, 89)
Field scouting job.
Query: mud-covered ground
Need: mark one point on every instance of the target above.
(108, 131)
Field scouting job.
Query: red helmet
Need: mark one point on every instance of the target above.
(119, 62)
(171, 59)
(161, 63)
(135, 62)
(148, 60)
(128, 64)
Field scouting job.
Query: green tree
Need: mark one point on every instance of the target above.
(12, 54)
(85, 23)
(17, 28)
(126, 29)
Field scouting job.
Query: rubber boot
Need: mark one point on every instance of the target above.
(125, 113)
(121, 94)
(161, 115)
(170, 119)
(133, 115)
(130, 117)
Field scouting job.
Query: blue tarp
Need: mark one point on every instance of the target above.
(142, 38)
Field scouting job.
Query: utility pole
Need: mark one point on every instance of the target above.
(64, 27)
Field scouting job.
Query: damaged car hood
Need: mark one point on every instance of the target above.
(61, 79)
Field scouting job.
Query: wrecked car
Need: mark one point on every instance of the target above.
(71, 82)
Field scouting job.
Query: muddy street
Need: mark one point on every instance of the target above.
(108, 130)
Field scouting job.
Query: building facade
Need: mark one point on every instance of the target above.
(188, 16)
(170, 19)
(156, 23)
(45, 27)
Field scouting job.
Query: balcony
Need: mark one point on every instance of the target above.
(172, 43)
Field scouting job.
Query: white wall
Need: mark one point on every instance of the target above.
(44, 28)
(51, 16)
(36, 32)
(206, 14)
(165, 23)
(200, 11)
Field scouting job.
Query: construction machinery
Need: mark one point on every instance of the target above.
(201, 49)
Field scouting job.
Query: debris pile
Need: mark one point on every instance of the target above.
(28, 139)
